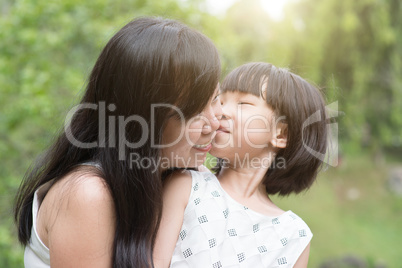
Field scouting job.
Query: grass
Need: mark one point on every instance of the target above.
(351, 212)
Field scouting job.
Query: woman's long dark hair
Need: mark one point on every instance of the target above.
(149, 61)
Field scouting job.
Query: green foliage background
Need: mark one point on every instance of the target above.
(353, 49)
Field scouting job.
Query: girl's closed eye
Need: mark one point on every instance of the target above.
(245, 103)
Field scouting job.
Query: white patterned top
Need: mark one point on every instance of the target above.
(218, 232)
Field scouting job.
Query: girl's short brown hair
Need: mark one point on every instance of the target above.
(297, 101)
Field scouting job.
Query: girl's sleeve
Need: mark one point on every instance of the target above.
(299, 239)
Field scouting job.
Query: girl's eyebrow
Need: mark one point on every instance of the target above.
(248, 97)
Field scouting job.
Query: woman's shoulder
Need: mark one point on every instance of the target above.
(77, 219)
(80, 187)
(78, 196)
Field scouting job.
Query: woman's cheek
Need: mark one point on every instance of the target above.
(193, 133)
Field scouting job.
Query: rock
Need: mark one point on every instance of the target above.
(395, 181)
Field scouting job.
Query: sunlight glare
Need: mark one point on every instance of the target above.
(218, 7)
(274, 8)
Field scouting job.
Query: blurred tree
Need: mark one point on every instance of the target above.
(352, 47)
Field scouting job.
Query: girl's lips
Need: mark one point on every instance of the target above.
(222, 129)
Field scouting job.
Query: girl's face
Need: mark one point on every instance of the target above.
(246, 127)
(187, 142)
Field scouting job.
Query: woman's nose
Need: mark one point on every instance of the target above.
(212, 120)
(211, 125)
(218, 110)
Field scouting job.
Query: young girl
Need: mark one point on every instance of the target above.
(264, 147)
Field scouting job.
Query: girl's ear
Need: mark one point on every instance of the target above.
(280, 137)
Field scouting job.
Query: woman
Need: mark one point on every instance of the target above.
(94, 199)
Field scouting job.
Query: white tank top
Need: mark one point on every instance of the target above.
(36, 253)
(218, 231)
